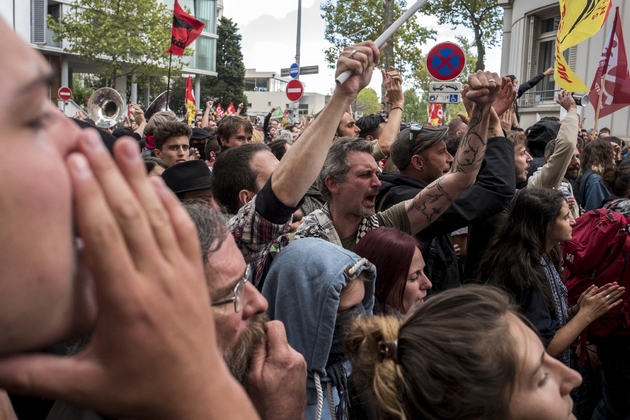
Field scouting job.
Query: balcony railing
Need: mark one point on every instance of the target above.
(537, 97)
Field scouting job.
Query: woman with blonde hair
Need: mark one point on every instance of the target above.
(465, 354)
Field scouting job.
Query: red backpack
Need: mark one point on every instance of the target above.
(598, 254)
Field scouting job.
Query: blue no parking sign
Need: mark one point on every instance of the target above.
(446, 61)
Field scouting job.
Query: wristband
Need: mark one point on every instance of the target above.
(396, 107)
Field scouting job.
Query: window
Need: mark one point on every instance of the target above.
(38, 21)
(542, 30)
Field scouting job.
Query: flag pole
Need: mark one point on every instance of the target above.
(168, 86)
(599, 100)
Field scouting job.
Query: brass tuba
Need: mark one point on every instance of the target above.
(105, 107)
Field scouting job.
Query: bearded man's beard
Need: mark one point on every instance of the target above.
(239, 361)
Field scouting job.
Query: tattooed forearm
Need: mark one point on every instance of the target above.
(432, 194)
(472, 148)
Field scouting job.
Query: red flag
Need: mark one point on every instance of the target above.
(190, 101)
(614, 65)
(230, 109)
(185, 30)
(219, 111)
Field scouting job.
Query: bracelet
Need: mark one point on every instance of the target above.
(396, 107)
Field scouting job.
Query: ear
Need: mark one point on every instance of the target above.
(245, 196)
(157, 153)
(332, 185)
(221, 142)
(369, 137)
(417, 162)
(213, 156)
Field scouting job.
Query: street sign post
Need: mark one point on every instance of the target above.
(445, 87)
(446, 61)
(294, 70)
(295, 90)
(304, 70)
(64, 93)
(445, 98)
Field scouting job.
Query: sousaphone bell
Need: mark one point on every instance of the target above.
(105, 107)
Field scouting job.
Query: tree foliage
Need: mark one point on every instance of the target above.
(121, 37)
(229, 85)
(484, 17)
(415, 110)
(353, 21)
(369, 97)
(421, 77)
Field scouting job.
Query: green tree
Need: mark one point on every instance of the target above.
(352, 21)
(421, 77)
(229, 85)
(121, 37)
(369, 97)
(415, 110)
(484, 17)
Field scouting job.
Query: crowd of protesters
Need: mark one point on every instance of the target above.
(324, 269)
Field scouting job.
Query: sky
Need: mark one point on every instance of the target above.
(269, 39)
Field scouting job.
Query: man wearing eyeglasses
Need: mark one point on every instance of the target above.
(256, 350)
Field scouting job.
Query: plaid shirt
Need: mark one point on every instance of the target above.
(255, 236)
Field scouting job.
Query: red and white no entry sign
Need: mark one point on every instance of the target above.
(64, 93)
(295, 90)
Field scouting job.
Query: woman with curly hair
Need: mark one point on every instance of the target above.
(597, 162)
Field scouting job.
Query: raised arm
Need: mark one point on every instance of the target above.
(553, 171)
(426, 207)
(394, 96)
(205, 120)
(299, 168)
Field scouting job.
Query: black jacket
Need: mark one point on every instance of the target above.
(490, 195)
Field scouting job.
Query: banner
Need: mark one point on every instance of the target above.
(191, 107)
(230, 109)
(219, 111)
(278, 113)
(185, 30)
(613, 69)
(578, 22)
(435, 114)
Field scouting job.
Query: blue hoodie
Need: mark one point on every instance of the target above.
(303, 289)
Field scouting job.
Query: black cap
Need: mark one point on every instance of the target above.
(199, 134)
(192, 175)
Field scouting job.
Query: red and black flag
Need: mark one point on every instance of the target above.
(185, 30)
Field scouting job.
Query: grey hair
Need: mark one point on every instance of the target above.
(336, 166)
(211, 227)
(284, 135)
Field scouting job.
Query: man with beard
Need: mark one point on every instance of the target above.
(256, 351)
(560, 154)
(420, 154)
(349, 180)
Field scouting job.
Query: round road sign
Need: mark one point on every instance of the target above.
(446, 61)
(64, 93)
(294, 70)
(295, 90)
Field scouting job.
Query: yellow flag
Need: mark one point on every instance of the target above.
(579, 20)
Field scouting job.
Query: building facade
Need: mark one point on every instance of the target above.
(28, 19)
(529, 33)
(266, 90)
